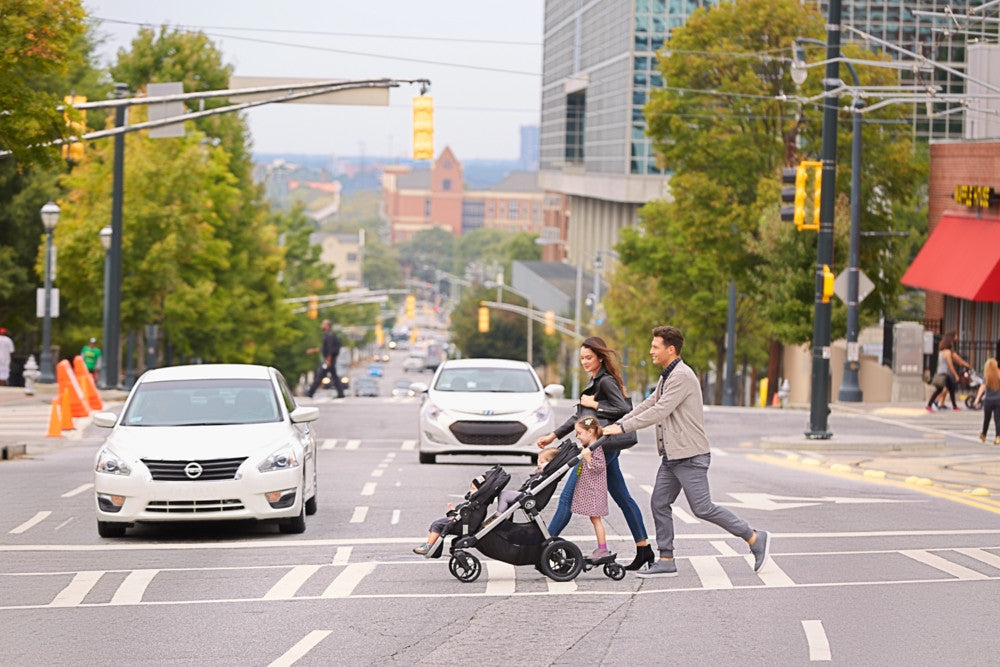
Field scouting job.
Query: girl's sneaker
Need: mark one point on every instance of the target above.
(422, 549)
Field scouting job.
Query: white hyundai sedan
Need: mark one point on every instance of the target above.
(203, 443)
(484, 406)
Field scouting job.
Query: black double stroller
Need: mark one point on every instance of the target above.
(499, 537)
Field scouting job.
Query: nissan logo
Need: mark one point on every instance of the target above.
(193, 470)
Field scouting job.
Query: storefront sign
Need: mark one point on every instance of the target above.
(980, 196)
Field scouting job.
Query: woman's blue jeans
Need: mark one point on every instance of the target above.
(619, 493)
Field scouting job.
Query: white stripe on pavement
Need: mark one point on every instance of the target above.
(723, 548)
(770, 573)
(395, 517)
(288, 585)
(79, 489)
(682, 514)
(359, 515)
(982, 556)
(342, 556)
(329, 443)
(409, 444)
(368, 489)
(946, 566)
(303, 646)
(27, 525)
(560, 587)
(352, 444)
(134, 587)
(502, 578)
(77, 589)
(710, 572)
(347, 581)
(819, 645)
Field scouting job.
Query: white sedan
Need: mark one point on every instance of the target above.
(207, 442)
(484, 406)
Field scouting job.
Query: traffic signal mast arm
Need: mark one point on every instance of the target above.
(562, 324)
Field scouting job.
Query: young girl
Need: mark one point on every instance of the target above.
(591, 495)
(989, 398)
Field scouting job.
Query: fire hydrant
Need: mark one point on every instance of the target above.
(30, 375)
(784, 389)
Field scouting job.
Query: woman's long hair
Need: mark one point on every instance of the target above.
(607, 356)
(991, 374)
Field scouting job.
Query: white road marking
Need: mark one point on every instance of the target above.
(359, 515)
(682, 514)
(723, 548)
(377, 472)
(352, 444)
(982, 556)
(329, 443)
(300, 649)
(710, 572)
(342, 556)
(819, 645)
(770, 573)
(409, 445)
(134, 587)
(719, 452)
(395, 517)
(368, 489)
(77, 589)
(65, 523)
(288, 585)
(27, 525)
(390, 456)
(502, 578)
(347, 581)
(942, 564)
(560, 587)
(79, 489)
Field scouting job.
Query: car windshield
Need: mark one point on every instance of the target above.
(202, 402)
(512, 380)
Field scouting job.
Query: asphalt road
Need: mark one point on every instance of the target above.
(864, 570)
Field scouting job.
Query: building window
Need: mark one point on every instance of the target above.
(513, 209)
(427, 207)
(352, 257)
(576, 107)
(447, 184)
(500, 209)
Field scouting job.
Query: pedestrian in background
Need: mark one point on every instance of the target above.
(946, 376)
(6, 350)
(329, 349)
(675, 408)
(91, 357)
(988, 396)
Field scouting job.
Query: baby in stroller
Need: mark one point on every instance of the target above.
(503, 539)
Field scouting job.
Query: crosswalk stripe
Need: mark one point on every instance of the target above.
(303, 646)
(359, 515)
(560, 587)
(291, 582)
(408, 445)
(134, 587)
(770, 574)
(710, 572)
(347, 581)
(938, 563)
(27, 525)
(352, 444)
(682, 514)
(723, 548)
(368, 489)
(329, 443)
(502, 578)
(982, 556)
(342, 555)
(819, 645)
(77, 590)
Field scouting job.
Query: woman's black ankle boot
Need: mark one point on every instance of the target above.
(643, 556)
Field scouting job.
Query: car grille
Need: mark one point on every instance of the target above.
(488, 433)
(211, 469)
(194, 506)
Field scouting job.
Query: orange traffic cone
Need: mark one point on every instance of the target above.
(775, 401)
(65, 411)
(68, 383)
(86, 381)
(55, 422)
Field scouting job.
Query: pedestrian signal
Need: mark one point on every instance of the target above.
(484, 319)
(550, 322)
(423, 127)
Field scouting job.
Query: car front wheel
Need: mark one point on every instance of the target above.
(298, 524)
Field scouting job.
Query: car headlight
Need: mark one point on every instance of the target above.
(281, 459)
(111, 464)
(541, 415)
(432, 411)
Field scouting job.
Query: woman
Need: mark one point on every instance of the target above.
(949, 362)
(605, 395)
(989, 398)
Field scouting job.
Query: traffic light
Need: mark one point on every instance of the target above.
(550, 322)
(793, 191)
(788, 188)
(423, 127)
(77, 127)
(379, 334)
(312, 310)
(411, 306)
(484, 319)
(828, 278)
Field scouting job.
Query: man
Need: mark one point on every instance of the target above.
(6, 350)
(91, 357)
(329, 350)
(675, 407)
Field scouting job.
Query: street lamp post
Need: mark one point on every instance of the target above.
(50, 218)
(105, 235)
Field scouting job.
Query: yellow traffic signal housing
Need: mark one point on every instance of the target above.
(411, 306)
(801, 176)
(312, 310)
(789, 186)
(550, 322)
(817, 170)
(423, 127)
(827, 283)
(484, 319)
(76, 123)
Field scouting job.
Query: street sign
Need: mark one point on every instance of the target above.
(865, 285)
(40, 302)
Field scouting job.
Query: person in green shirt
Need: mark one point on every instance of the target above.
(91, 357)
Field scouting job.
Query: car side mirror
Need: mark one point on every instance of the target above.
(419, 388)
(555, 390)
(105, 419)
(304, 414)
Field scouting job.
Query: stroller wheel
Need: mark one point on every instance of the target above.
(464, 566)
(561, 561)
(970, 401)
(614, 571)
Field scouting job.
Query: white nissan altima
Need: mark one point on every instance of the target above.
(207, 442)
(484, 406)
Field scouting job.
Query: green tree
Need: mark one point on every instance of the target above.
(508, 334)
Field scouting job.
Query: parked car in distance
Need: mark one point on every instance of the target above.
(416, 362)
(366, 387)
(206, 442)
(375, 371)
(484, 406)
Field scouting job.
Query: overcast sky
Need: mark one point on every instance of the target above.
(483, 59)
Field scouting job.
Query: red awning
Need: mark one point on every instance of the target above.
(961, 259)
